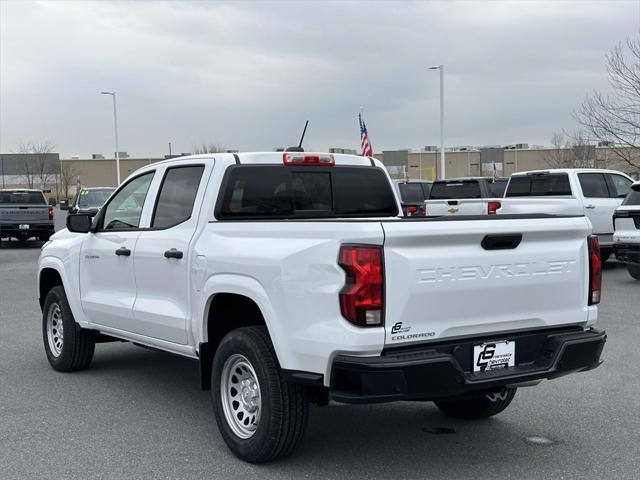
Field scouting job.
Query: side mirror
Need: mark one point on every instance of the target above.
(64, 205)
(79, 223)
(52, 202)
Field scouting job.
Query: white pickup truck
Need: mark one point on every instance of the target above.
(465, 196)
(594, 193)
(293, 278)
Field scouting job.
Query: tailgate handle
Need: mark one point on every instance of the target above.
(501, 242)
(452, 202)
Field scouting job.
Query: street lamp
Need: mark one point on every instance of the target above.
(442, 166)
(115, 126)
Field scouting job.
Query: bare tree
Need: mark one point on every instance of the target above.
(209, 148)
(36, 164)
(615, 117)
(570, 151)
(68, 175)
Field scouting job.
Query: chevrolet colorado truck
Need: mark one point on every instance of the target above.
(293, 278)
(25, 213)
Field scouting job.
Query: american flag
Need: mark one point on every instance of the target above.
(365, 144)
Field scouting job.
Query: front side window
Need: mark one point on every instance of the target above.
(622, 185)
(125, 208)
(177, 196)
(593, 185)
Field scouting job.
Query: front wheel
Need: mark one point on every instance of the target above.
(634, 271)
(482, 405)
(261, 417)
(68, 347)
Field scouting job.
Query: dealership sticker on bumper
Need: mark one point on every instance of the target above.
(492, 356)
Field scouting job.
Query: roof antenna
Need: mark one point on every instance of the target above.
(299, 147)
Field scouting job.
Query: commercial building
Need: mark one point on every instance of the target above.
(16, 170)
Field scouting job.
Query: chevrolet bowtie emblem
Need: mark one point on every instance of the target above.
(452, 210)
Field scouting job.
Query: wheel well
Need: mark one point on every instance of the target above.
(49, 278)
(227, 312)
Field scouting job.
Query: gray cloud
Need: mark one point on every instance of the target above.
(247, 74)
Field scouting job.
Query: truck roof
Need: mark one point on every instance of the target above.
(567, 170)
(273, 158)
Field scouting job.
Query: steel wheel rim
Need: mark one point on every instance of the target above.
(55, 329)
(240, 395)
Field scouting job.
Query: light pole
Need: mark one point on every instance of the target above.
(115, 127)
(441, 68)
(169, 149)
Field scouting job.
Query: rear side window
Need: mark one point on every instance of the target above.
(18, 197)
(621, 185)
(553, 184)
(411, 192)
(633, 198)
(268, 191)
(177, 195)
(593, 185)
(455, 189)
(497, 187)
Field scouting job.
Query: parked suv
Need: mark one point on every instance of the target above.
(626, 237)
(412, 195)
(465, 196)
(293, 279)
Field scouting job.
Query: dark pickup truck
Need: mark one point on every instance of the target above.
(25, 214)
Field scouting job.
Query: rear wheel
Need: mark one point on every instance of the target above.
(68, 347)
(261, 417)
(483, 405)
(634, 271)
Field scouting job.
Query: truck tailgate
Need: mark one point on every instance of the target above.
(24, 214)
(440, 282)
(469, 206)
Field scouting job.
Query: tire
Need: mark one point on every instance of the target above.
(277, 426)
(69, 350)
(481, 406)
(634, 271)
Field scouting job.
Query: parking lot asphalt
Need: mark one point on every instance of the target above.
(137, 413)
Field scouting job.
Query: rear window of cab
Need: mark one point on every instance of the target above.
(543, 185)
(277, 192)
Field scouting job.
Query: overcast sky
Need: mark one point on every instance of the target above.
(248, 74)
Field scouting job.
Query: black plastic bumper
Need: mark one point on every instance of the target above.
(445, 369)
(627, 253)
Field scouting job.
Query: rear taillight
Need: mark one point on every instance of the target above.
(493, 207)
(361, 297)
(410, 210)
(595, 270)
(323, 159)
(50, 213)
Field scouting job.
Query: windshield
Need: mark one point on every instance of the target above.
(94, 198)
(22, 197)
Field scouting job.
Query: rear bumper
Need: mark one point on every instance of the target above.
(627, 252)
(34, 230)
(445, 369)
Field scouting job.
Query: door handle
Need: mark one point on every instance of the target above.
(590, 207)
(173, 253)
(123, 251)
